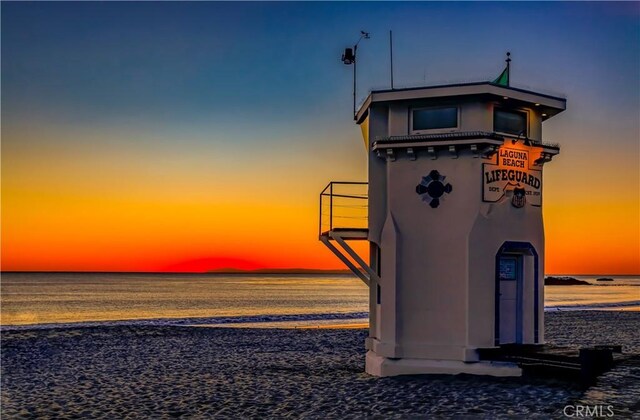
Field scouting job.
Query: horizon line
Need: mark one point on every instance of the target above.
(250, 271)
(214, 271)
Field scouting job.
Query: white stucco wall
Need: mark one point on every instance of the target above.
(438, 264)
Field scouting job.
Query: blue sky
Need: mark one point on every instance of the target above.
(205, 61)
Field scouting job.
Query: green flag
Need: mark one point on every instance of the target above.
(503, 79)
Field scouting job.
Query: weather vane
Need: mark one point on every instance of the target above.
(348, 58)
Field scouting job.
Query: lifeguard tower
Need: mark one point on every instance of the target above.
(453, 214)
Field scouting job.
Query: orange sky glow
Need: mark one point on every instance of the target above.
(146, 213)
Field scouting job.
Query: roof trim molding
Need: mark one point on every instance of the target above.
(459, 90)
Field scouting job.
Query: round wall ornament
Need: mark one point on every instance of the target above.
(432, 188)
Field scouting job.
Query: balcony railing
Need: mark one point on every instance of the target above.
(343, 206)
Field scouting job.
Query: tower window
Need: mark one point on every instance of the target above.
(433, 119)
(510, 122)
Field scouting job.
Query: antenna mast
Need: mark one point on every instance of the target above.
(391, 55)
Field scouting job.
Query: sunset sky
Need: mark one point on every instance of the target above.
(192, 136)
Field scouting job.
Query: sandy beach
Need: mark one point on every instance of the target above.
(179, 371)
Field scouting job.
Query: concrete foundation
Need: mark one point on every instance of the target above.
(382, 366)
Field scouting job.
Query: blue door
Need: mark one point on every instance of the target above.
(510, 298)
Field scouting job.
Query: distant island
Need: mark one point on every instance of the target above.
(563, 281)
(604, 279)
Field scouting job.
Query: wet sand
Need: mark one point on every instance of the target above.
(181, 371)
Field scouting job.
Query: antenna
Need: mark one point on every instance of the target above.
(391, 55)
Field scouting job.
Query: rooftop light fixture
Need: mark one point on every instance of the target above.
(525, 141)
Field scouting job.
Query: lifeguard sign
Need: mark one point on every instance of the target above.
(512, 173)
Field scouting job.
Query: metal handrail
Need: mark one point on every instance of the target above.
(330, 193)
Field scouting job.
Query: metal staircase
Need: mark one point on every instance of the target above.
(344, 217)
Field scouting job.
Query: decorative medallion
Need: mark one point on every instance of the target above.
(432, 188)
(519, 198)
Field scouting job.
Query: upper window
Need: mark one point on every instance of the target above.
(434, 119)
(510, 122)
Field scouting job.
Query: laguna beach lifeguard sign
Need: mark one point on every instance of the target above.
(512, 174)
(454, 225)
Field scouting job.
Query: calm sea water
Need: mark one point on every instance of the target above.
(45, 298)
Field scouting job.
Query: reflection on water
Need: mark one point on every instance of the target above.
(29, 298)
(48, 298)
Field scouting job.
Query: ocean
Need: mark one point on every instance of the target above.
(45, 300)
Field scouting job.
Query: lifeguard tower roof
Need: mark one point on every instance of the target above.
(549, 105)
